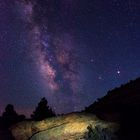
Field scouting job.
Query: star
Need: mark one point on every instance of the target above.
(91, 60)
(118, 72)
(100, 78)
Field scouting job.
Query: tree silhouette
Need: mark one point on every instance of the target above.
(42, 111)
(9, 112)
(10, 116)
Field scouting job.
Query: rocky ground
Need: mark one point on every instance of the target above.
(76, 126)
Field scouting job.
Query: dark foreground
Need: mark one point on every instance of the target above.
(6, 135)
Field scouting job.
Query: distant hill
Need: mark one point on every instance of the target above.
(122, 105)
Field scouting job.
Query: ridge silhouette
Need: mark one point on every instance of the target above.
(121, 105)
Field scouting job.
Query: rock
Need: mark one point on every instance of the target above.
(68, 127)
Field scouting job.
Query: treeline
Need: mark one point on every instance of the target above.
(10, 116)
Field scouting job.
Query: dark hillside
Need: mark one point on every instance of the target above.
(122, 105)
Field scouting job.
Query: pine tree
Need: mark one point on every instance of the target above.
(42, 111)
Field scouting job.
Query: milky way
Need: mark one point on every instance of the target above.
(54, 56)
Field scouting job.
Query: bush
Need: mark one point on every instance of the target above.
(99, 133)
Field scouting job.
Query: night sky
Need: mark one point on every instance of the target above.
(69, 51)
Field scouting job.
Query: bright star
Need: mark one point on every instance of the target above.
(118, 72)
